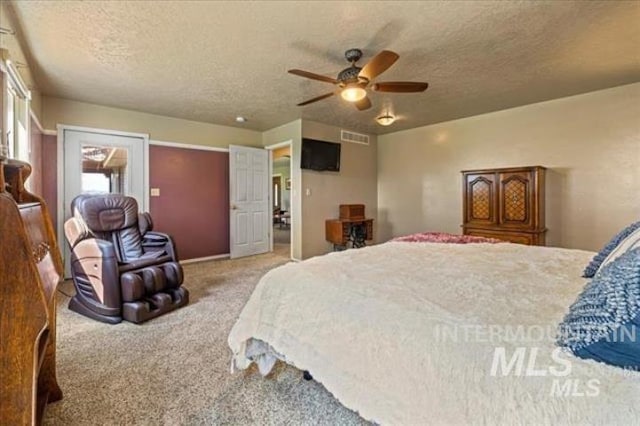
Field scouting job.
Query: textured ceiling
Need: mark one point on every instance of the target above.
(211, 61)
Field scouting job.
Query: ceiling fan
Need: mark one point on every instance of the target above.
(353, 81)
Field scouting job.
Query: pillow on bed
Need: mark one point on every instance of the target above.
(604, 322)
(632, 241)
(597, 260)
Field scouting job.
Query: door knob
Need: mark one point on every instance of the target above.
(234, 207)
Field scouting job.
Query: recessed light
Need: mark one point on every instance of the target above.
(241, 119)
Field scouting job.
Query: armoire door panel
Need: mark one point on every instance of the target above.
(515, 199)
(481, 198)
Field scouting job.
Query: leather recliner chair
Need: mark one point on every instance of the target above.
(121, 269)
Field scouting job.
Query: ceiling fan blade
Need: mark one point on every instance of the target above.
(363, 104)
(400, 86)
(316, 99)
(379, 64)
(313, 76)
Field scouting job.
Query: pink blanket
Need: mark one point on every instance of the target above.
(443, 237)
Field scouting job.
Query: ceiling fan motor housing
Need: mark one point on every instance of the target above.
(353, 55)
(349, 75)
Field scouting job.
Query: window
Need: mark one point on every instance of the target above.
(10, 121)
(95, 183)
(16, 133)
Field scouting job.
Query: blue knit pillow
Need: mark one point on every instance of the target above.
(597, 260)
(604, 322)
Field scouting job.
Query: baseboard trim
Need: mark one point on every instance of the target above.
(218, 257)
(204, 259)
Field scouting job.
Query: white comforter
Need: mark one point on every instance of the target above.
(376, 327)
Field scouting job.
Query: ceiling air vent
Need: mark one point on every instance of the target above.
(348, 136)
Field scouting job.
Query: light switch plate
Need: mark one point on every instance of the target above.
(155, 192)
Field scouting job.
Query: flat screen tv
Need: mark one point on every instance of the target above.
(320, 155)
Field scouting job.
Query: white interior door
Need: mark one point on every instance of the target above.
(250, 212)
(102, 163)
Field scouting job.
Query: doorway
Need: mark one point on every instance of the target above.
(98, 162)
(281, 198)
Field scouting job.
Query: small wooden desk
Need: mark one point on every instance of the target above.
(348, 233)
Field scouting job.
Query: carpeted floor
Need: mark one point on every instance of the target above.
(175, 369)
(281, 234)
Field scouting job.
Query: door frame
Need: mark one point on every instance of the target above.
(271, 148)
(60, 168)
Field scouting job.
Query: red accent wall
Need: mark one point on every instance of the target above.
(193, 206)
(49, 161)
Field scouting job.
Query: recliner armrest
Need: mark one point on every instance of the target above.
(94, 247)
(145, 223)
(158, 241)
(150, 258)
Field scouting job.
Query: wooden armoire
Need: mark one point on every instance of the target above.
(506, 203)
(30, 271)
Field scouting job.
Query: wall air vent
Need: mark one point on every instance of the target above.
(348, 136)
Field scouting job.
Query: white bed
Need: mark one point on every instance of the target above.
(370, 325)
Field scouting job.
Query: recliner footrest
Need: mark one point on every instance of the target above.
(154, 306)
(150, 280)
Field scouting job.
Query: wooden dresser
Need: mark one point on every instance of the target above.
(507, 204)
(30, 270)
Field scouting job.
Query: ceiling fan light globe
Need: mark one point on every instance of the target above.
(353, 94)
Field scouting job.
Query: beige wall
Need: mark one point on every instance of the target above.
(63, 111)
(590, 143)
(36, 104)
(354, 184)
